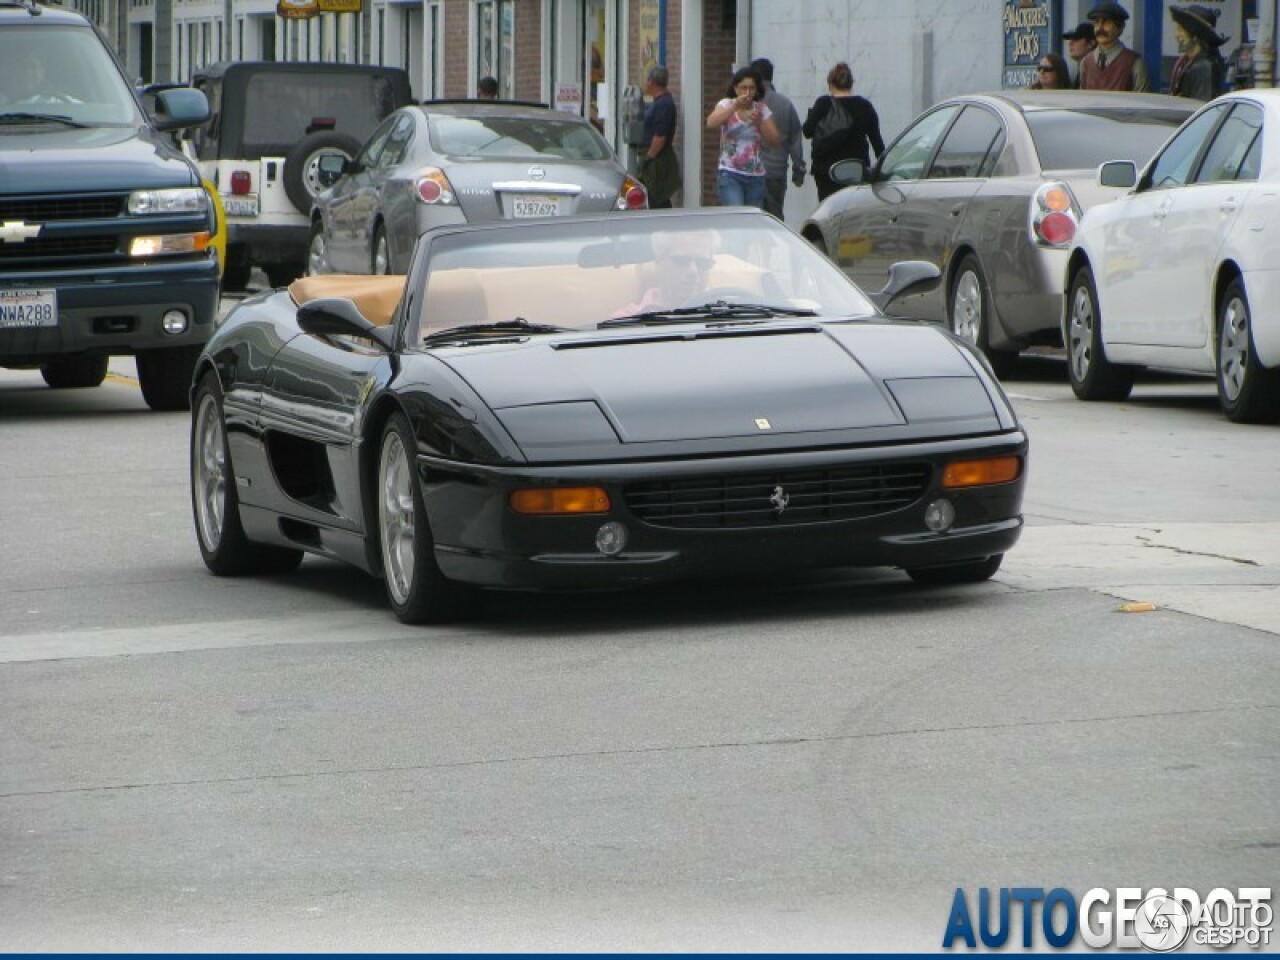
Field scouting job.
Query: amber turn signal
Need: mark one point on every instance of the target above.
(977, 473)
(547, 501)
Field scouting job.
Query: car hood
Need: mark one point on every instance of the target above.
(748, 387)
(49, 159)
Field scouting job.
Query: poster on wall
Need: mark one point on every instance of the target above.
(651, 45)
(1029, 29)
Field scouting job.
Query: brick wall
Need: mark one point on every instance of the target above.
(719, 47)
(528, 43)
(457, 47)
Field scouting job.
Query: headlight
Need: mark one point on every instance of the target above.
(178, 200)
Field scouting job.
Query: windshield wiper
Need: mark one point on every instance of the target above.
(514, 325)
(17, 118)
(718, 310)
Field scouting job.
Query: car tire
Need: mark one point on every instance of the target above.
(76, 372)
(969, 313)
(1093, 377)
(971, 571)
(301, 164)
(238, 270)
(380, 252)
(317, 252)
(165, 376)
(215, 508)
(416, 589)
(283, 274)
(1247, 391)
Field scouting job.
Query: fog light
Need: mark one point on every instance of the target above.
(611, 538)
(940, 515)
(174, 321)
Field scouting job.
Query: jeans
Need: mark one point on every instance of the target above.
(737, 190)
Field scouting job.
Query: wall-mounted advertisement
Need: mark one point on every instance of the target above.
(1029, 27)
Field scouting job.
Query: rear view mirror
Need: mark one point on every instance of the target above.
(179, 107)
(907, 278)
(848, 172)
(1118, 173)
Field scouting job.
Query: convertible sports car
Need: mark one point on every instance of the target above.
(599, 402)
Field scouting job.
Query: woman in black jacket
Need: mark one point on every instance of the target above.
(841, 127)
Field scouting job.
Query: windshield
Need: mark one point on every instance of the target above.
(1080, 140)
(65, 72)
(578, 275)
(501, 138)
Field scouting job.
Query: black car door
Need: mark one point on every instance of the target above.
(313, 406)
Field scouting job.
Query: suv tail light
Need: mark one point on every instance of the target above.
(1054, 215)
(434, 187)
(241, 183)
(632, 195)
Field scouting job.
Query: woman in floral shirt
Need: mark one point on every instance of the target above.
(744, 123)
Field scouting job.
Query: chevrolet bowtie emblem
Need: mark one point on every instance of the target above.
(18, 231)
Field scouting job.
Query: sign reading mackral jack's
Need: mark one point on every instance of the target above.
(1028, 30)
(306, 9)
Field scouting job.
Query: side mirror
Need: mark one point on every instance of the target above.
(1118, 173)
(339, 317)
(848, 172)
(331, 167)
(907, 278)
(181, 107)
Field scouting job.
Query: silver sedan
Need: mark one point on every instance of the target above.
(990, 188)
(452, 162)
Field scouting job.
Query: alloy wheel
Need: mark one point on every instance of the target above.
(210, 473)
(1233, 349)
(396, 517)
(1080, 333)
(966, 307)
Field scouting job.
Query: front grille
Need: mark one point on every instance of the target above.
(785, 498)
(44, 251)
(49, 209)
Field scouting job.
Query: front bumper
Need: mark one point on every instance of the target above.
(115, 310)
(479, 539)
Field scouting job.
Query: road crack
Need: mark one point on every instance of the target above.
(640, 751)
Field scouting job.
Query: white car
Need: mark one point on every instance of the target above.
(1183, 272)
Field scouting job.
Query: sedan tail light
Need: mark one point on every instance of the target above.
(632, 195)
(1054, 216)
(434, 187)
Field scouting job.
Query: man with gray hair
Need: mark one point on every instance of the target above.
(775, 159)
(659, 167)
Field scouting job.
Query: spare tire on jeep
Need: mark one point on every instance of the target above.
(301, 164)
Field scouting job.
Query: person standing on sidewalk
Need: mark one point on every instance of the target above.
(746, 125)
(659, 165)
(842, 127)
(787, 121)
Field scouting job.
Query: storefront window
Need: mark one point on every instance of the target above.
(495, 44)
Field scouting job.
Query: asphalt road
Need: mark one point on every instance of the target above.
(798, 763)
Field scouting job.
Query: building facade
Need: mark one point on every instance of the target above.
(590, 56)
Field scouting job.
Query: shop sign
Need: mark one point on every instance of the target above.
(340, 6)
(297, 9)
(569, 98)
(1028, 33)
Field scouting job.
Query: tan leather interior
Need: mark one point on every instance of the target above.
(375, 297)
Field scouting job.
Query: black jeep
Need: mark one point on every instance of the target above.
(271, 124)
